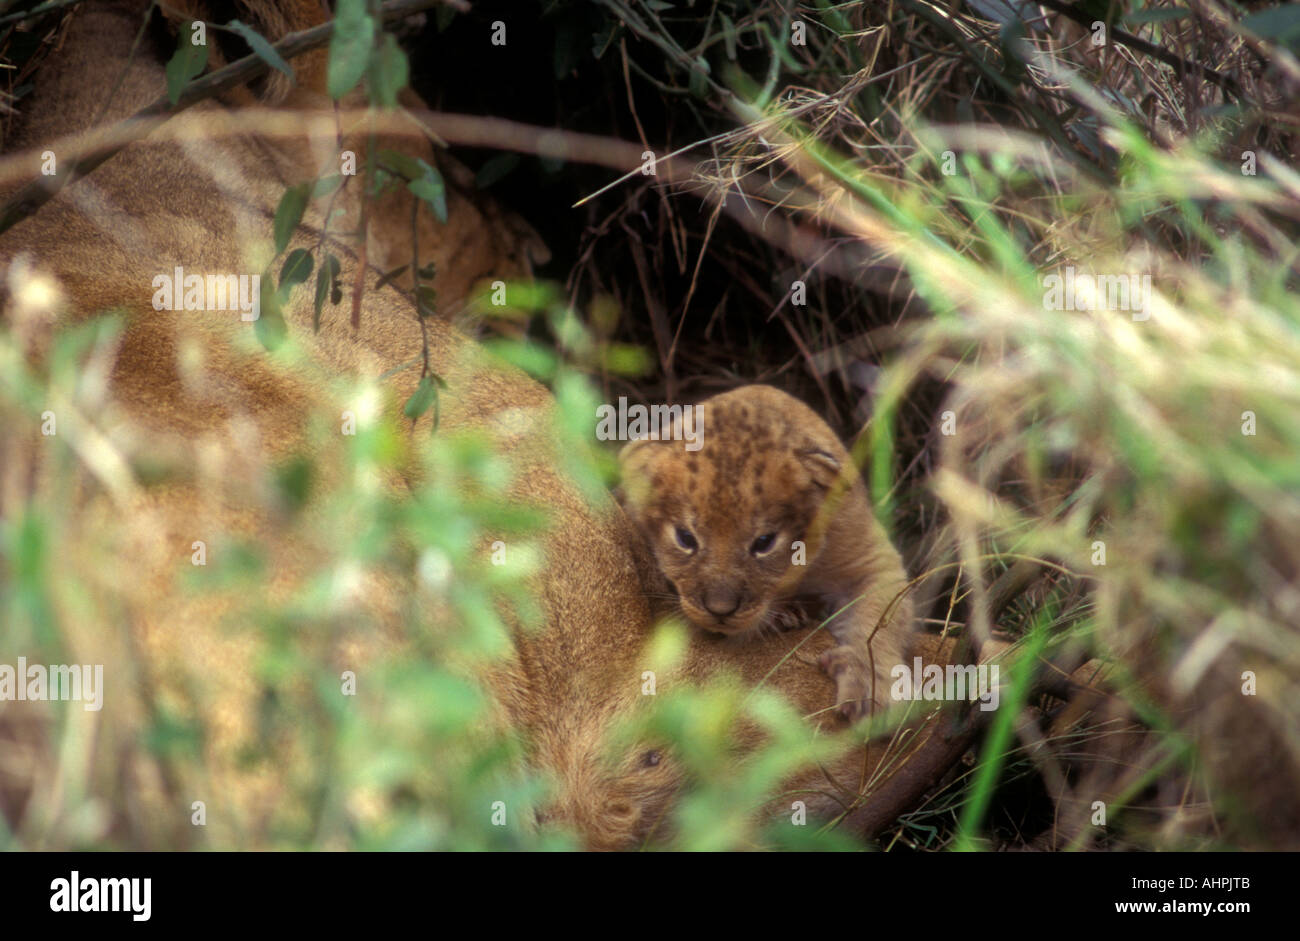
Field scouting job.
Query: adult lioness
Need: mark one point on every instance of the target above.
(199, 391)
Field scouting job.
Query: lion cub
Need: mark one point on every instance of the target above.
(767, 509)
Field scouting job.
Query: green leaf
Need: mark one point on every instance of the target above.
(531, 296)
(426, 301)
(729, 36)
(270, 328)
(699, 82)
(288, 214)
(326, 285)
(625, 359)
(172, 737)
(603, 39)
(1280, 24)
(534, 360)
(390, 73)
(297, 269)
(187, 62)
(326, 185)
(422, 180)
(350, 47)
(1012, 39)
(28, 541)
(425, 395)
(1138, 17)
(495, 169)
(381, 181)
(407, 167)
(294, 480)
(433, 192)
(261, 48)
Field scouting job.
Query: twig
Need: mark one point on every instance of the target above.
(1045, 122)
(1179, 64)
(34, 195)
(36, 11)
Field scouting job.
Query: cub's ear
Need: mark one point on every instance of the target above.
(628, 452)
(639, 454)
(821, 465)
(636, 461)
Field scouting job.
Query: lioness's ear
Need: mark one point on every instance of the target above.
(821, 465)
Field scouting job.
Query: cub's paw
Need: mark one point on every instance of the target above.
(846, 666)
(786, 617)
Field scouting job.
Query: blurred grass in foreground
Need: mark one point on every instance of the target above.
(1153, 461)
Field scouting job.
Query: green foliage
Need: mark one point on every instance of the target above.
(389, 72)
(289, 213)
(424, 181)
(1198, 515)
(185, 64)
(351, 47)
(424, 397)
(297, 269)
(327, 286)
(261, 48)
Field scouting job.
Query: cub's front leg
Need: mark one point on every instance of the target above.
(869, 643)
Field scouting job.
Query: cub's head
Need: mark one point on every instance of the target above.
(729, 523)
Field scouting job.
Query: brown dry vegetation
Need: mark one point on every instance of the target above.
(1118, 495)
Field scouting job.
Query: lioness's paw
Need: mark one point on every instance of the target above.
(849, 671)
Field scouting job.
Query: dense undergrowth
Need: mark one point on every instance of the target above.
(1037, 260)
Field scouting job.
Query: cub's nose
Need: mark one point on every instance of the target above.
(721, 601)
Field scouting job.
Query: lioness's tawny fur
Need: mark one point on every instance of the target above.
(198, 389)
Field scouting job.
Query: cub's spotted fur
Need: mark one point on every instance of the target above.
(770, 509)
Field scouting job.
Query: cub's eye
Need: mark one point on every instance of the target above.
(763, 543)
(685, 539)
(651, 758)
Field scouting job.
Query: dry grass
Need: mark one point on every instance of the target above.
(920, 169)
